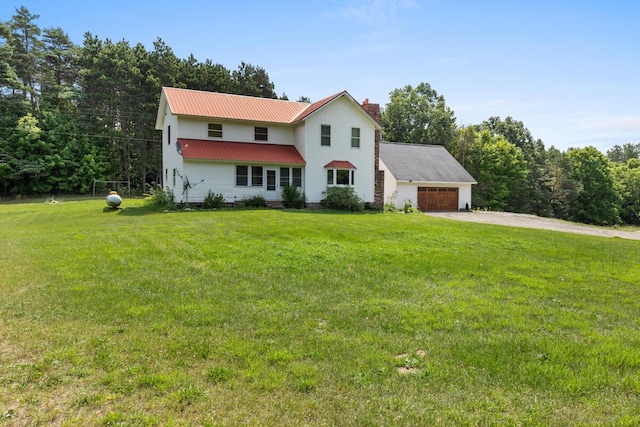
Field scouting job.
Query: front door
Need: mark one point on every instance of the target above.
(272, 185)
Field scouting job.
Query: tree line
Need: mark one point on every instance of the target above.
(71, 115)
(514, 171)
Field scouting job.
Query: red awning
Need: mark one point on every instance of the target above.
(339, 164)
(198, 149)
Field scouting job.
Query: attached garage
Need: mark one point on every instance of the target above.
(426, 175)
(432, 199)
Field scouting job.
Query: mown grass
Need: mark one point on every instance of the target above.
(310, 318)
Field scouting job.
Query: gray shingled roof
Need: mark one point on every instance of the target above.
(422, 163)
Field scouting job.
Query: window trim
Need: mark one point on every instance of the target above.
(257, 178)
(293, 177)
(332, 177)
(260, 133)
(325, 137)
(239, 176)
(355, 140)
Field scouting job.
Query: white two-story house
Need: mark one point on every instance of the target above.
(241, 146)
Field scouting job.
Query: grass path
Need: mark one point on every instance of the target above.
(310, 318)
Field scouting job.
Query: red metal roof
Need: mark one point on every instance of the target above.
(340, 164)
(197, 103)
(198, 149)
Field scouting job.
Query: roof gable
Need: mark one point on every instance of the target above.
(422, 163)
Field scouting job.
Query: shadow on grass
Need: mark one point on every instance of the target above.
(136, 211)
(147, 210)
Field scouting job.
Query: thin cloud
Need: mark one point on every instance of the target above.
(376, 13)
(619, 124)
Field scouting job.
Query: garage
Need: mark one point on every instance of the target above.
(434, 199)
(427, 176)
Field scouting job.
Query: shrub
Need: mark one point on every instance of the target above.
(342, 198)
(293, 197)
(390, 207)
(156, 197)
(256, 201)
(408, 207)
(213, 201)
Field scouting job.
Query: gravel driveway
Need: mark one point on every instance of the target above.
(532, 221)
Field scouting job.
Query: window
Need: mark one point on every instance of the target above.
(343, 177)
(284, 177)
(242, 176)
(325, 135)
(355, 137)
(296, 180)
(169, 135)
(174, 177)
(215, 130)
(271, 180)
(256, 176)
(261, 134)
(291, 177)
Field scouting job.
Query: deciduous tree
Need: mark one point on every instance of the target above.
(419, 116)
(498, 166)
(598, 201)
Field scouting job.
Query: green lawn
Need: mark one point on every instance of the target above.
(264, 317)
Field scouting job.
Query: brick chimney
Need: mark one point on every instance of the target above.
(378, 196)
(372, 109)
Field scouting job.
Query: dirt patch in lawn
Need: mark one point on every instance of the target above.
(532, 221)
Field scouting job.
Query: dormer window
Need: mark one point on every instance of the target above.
(215, 130)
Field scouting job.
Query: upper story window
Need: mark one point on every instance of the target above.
(325, 135)
(355, 137)
(169, 135)
(261, 134)
(215, 130)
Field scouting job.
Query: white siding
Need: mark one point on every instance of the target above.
(171, 160)
(341, 115)
(407, 191)
(464, 196)
(217, 177)
(390, 185)
(235, 131)
(220, 178)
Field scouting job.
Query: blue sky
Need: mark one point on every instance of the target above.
(568, 69)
